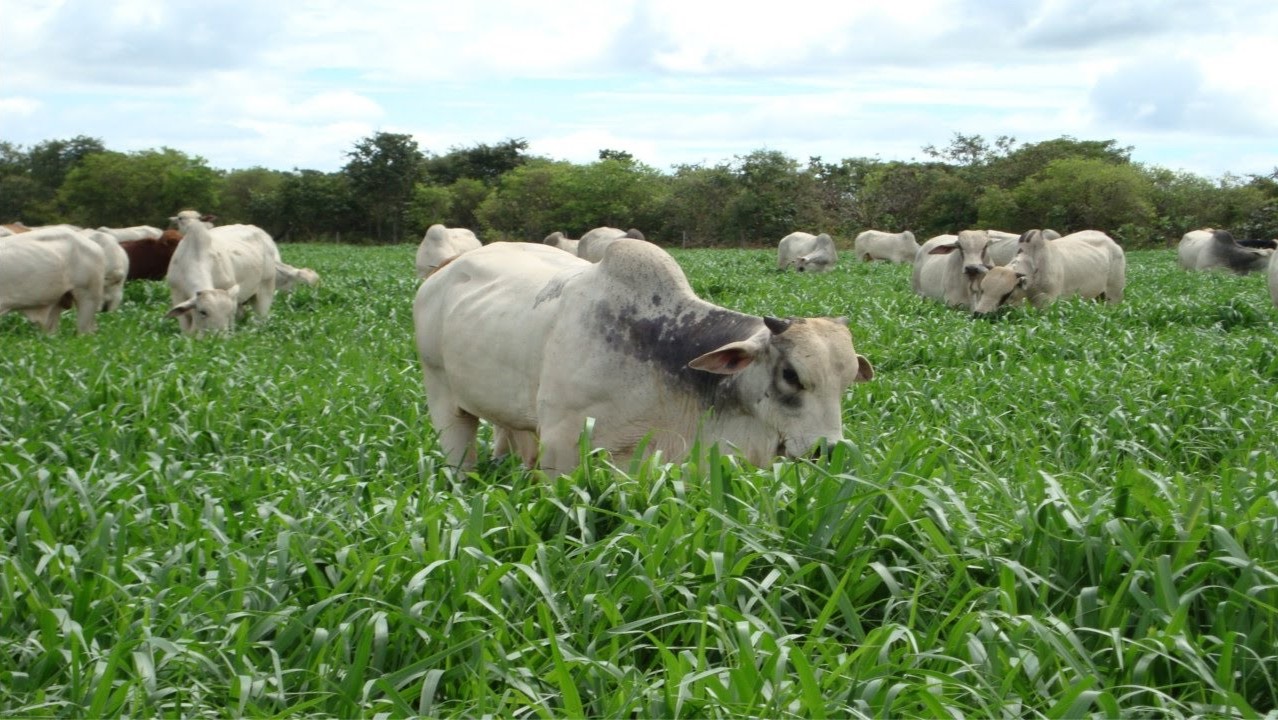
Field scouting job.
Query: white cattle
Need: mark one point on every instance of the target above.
(537, 342)
(116, 270)
(1273, 280)
(592, 245)
(42, 272)
(136, 232)
(1003, 245)
(806, 252)
(949, 267)
(878, 245)
(1206, 249)
(558, 240)
(215, 271)
(441, 243)
(288, 277)
(1087, 263)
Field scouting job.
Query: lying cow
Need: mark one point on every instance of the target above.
(215, 271)
(592, 245)
(806, 252)
(43, 272)
(1004, 245)
(878, 245)
(558, 240)
(537, 342)
(949, 267)
(149, 259)
(1087, 263)
(1205, 249)
(440, 244)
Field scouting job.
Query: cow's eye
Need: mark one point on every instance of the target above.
(791, 377)
(204, 313)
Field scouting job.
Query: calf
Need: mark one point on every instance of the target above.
(806, 252)
(537, 342)
(593, 244)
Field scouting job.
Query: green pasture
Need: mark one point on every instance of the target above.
(1061, 513)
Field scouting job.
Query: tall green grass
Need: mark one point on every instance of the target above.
(1049, 514)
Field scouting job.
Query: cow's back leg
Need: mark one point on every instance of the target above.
(87, 303)
(455, 427)
(522, 443)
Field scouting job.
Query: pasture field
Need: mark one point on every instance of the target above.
(1049, 514)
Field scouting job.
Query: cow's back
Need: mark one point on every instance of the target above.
(481, 322)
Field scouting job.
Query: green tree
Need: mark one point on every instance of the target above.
(383, 170)
(145, 187)
(695, 210)
(244, 192)
(526, 203)
(1078, 193)
(486, 163)
(313, 205)
(775, 199)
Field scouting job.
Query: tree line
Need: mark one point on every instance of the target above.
(390, 190)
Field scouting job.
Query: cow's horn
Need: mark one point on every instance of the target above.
(776, 325)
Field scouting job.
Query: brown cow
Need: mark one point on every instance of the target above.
(149, 258)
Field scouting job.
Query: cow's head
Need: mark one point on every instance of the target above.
(789, 381)
(1000, 287)
(210, 310)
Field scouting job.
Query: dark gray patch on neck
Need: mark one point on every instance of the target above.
(669, 339)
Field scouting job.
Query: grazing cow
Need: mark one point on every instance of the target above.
(215, 271)
(287, 277)
(137, 232)
(558, 240)
(116, 270)
(537, 342)
(13, 229)
(878, 245)
(149, 259)
(42, 273)
(949, 267)
(807, 252)
(1273, 281)
(440, 244)
(592, 245)
(1087, 263)
(1205, 249)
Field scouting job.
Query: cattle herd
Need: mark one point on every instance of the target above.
(601, 334)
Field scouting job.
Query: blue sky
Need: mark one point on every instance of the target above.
(286, 85)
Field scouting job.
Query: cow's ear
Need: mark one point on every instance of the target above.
(181, 309)
(864, 370)
(729, 359)
(943, 249)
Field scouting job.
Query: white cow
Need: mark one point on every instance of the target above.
(807, 252)
(558, 240)
(215, 271)
(1003, 245)
(116, 270)
(1273, 281)
(878, 245)
(592, 245)
(441, 243)
(536, 342)
(136, 232)
(1087, 263)
(949, 267)
(42, 272)
(1206, 249)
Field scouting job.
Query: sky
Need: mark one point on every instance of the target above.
(1189, 85)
